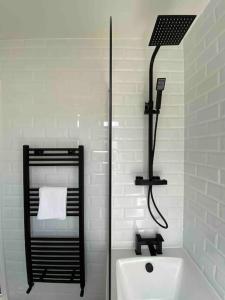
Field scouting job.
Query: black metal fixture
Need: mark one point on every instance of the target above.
(54, 259)
(149, 267)
(110, 159)
(154, 244)
(169, 30)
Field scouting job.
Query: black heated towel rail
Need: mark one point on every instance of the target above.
(54, 259)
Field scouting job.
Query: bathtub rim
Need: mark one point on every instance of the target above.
(167, 252)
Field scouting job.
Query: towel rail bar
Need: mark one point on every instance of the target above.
(54, 259)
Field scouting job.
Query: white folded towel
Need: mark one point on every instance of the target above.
(52, 203)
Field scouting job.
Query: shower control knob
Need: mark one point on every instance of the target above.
(138, 180)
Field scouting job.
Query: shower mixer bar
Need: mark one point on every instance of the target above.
(149, 109)
(169, 30)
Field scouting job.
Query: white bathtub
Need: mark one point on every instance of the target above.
(175, 277)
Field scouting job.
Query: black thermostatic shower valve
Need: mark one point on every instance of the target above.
(156, 180)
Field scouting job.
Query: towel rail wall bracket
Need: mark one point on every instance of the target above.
(54, 259)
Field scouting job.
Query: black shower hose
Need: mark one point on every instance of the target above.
(150, 192)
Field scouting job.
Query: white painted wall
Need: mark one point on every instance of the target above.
(204, 210)
(54, 94)
(130, 78)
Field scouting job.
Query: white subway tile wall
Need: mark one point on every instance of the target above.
(55, 94)
(130, 152)
(204, 189)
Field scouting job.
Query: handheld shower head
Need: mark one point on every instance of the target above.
(160, 85)
(169, 30)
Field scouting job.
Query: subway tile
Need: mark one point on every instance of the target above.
(134, 213)
(222, 109)
(216, 63)
(216, 94)
(222, 177)
(204, 143)
(206, 56)
(207, 114)
(190, 168)
(222, 143)
(118, 213)
(221, 41)
(216, 127)
(197, 104)
(207, 173)
(197, 183)
(205, 231)
(124, 224)
(207, 84)
(214, 30)
(213, 253)
(221, 244)
(216, 159)
(216, 191)
(219, 277)
(216, 224)
(197, 157)
(207, 202)
(197, 209)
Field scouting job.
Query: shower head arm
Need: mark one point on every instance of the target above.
(151, 73)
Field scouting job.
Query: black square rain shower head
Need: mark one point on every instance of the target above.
(170, 29)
